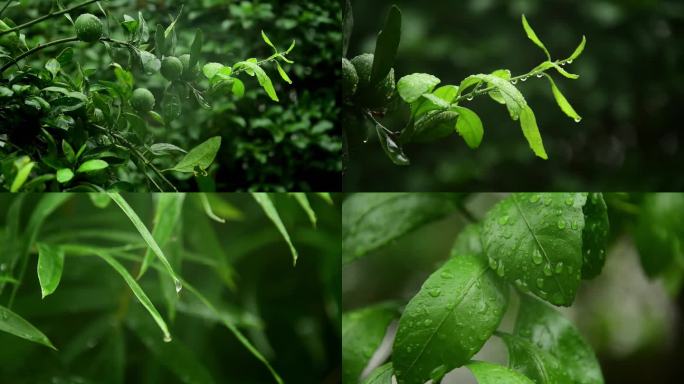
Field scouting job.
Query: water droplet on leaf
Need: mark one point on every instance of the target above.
(547, 269)
(559, 268)
(537, 257)
(514, 81)
(524, 78)
(179, 286)
(469, 98)
(539, 75)
(540, 283)
(534, 198)
(167, 338)
(500, 270)
(561, 224)
(435, 292)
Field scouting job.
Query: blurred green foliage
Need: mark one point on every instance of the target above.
(628, 95)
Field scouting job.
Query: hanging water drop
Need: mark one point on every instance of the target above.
(524, 78)
(547, 269)
(537, 257)
(559, 268)
(569, 61)
(514, 81)
(435, 292)
(179, 286)
(469, 98)
(540, 75)
(578, 119)
(167, 338)
(561, 224)
(3, 266)
(540, 283)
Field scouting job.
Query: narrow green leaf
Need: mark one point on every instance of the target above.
(21, 176)
(64, 175)
(533, 362)
(68, 152)
(270, 210)
(199, 157)
(533, 36)
(268, 41)
(138, 292)
(386, 46)
(362, 332)
(564, 72)
(393, 150)
(371, 220)
(50, 266)
(578, 51)
(380, 375)
(283, 74)
(594, 235)
(304, 203)
(8, 280)
(196, 48)
(469, 126)
(488, 373)
(167, 213)
(549, 331)
(562, 101)
(169, 29)
(146, 235)
(411, 87)
(14, 324)
(208, 210)
(325, 196)
(262, 77)
(438, 330)
(534, 240)
(92, 166)
(528, 123)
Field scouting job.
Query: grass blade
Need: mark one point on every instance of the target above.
(12, 243)
(208, 210)
(167, 213)
(14, 324)
(50, 266)
(304, 203)
(267, 205)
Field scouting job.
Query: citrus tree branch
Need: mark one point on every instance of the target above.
(45, 17)
(36, 49)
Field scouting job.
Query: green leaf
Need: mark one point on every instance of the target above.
(347, 25)
(380, 375)
(64, 175)
(304, 203)
(393, 150)
(447, 322)
(92, 166)
(211, 69)
(167, 213)
(528, 123)
(386, 46)
(533, 362)
(562, 101)
(138, 292)
(496, 95)
(578, 51)
(432, 126)
(533, 36)
(534, 240)
(199, 157)
(169, 29)
(411, 87)
(515, 102)
(14, 324)
(21, 176)
(446, 95)
(208, 210)
(150, 63)
(468, 242)
(50, 266)
(371, 220)
(160, 41)
(594, 235)
(362, 332)
(262, 77)
(283, 74)
(196, 48)
(100, 200)
(488, 373)
(270, 210)
(549, 331)
(659, 232)
(268, 41)
(564, 72)
(469, 126)
(146, 235)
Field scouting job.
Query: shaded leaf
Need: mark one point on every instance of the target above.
(528, 123)
(411, 87)
(594, 235)
(50, 266)
(562, 101)
(533, 36)
(199, 157)
(469, 126)
(380, 375)
(267, 205)
(14, 324)
(488, 373)
(386, 46)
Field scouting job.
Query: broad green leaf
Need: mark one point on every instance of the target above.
(167, 213)
(393, 150)
(160, 41)
(211, 69)
(145, 234)
(446, 93)
(64, 175)
(549, 331)
(563, 102)
(380, 375)
(199, 157)
(468, 242)
(267, 205)
(659, 232)
(21, 176)
(447, 322)
(362, 332)
(578, 51)
(386, 46)
(50, 266)
(533, 36)
(92, 166)
(433, 125)
(371, 220)
(528, 123)
(150, 63)
(304, 203)
(533, 362)
(100, 200)
(262, 77)
(14, 324)
(488, 373)
(469, 126)
(496, 95)
(534, 240)
(594, 235)
(515, 102)
(564, 72)
(196, 48)
(138, 292)
(411, 87)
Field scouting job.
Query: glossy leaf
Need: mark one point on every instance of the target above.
(455, 312)
(199, 157)
(445, 93)
(372, 220)
(496, 95)
(534, 240)
(261, 76)
(50, 266)
(562, 101)
(540, 366)
(594, 235)
(64, 175)
(22, 176)
(411, 87)
(528, 123)
(487, 373)
(533, 37)
(515, 102)
(393, 151)
(659, 231)
(270, 210)
(92, 166)
(469, 126)
(468, 242)
(362, 332)
(434, 125)
(549, 331)
(380, 375)
(386, 46)
(14, 324)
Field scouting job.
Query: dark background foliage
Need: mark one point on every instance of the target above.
(629, 93)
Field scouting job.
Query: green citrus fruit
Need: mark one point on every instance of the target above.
(142, 100)
(171, 68)
(378, 95)
(350, 80)
(88, 28)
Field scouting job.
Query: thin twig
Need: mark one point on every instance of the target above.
(7, 3)
(36, 49)
(45, 17)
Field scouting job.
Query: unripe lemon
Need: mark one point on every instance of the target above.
(350, 80)
(88, 28)
(171, 68)
(377, 96)
(142, 100)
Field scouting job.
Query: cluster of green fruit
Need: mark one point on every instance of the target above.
(357, 87)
